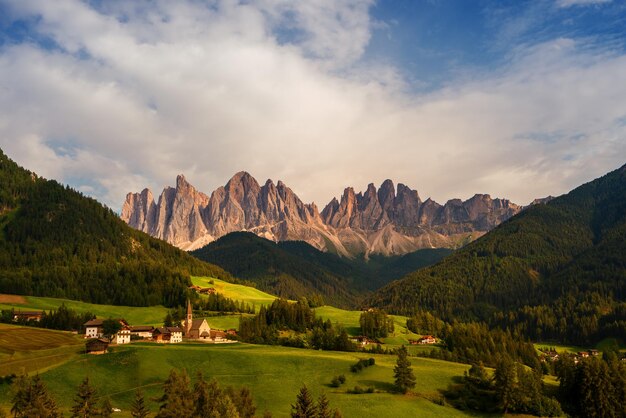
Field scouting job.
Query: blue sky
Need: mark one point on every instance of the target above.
(519, 99)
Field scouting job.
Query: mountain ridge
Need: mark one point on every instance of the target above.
(387, 220)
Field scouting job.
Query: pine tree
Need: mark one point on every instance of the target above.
(505, 382)
(106, 410)
(242, 399)
(177, 400)
(323, 407)
(84, 402)
(31, 399)
(304, 407)
(138, 409)
(403, 372)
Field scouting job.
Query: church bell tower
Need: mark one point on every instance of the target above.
(189, 318)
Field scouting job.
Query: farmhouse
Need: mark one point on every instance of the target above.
(93, 328)
(171, 335)
(427, 339)
(122, 336)
(142, 331)
(362, 340)
(27, 315)
(97, 346)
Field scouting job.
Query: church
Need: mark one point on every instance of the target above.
(196, 329)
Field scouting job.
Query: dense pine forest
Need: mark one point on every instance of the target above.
(56, 242)
(555, 271)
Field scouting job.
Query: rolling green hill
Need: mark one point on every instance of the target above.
(273, 374)
(555, 271)
(294, 268)
(55, 242)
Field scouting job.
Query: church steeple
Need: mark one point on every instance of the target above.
(189, 319)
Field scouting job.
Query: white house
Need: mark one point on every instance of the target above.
(93, 328)
(142, 331)
(122, 336)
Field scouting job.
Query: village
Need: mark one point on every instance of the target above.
(190, 330)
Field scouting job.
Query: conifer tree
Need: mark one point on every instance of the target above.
(31, 399)
(177, 400)
(304, 407)
(323, 407)
(242, 399)
(138, 408)
(505, 384)
(105, 408)
(403, 372)
(84, 402)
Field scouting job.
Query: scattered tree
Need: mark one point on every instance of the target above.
(403, 372)
(84, 401)
(305, 406)
(138, 408)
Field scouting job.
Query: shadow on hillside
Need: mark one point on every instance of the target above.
(378, 385)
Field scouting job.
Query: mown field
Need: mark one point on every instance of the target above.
(26, 349)
(274, 375)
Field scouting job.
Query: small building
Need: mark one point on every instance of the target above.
(232, 331)
(594, 352)
(583, 354)
(207, 291)
(93, 328)
(142, 331)
(362, 340)
(218, 336)
(27, 315)
(168, 335)
(122, 336)
(97, 346)
(427, 339)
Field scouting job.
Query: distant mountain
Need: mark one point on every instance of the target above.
(374, 222)
(294, 268)
(556, 270)
(55, 242)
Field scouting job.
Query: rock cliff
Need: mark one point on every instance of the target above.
(385, 221)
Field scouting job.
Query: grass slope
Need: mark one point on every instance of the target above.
(274, 374)
(235, 291)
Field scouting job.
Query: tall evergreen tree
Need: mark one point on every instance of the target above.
(177, 400)
(403, 372)
(242, 399)
(305, 406)
(31, 399)
(84, 401)
(138, 409)
(106, 410)
(504, 377)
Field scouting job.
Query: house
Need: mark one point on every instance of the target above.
(93, 328)
(218, 336)
(142, 331)
(97, 346)
(232, 331)
(167, 335)
(122, 336)
(583, 354)
(27, 316)
(427, 339)
(594, 352)
(362, 340)
(207, 291)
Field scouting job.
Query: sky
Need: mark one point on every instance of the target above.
(517, 99)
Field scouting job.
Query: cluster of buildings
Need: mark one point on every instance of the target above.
(191, 329)
(551, 354)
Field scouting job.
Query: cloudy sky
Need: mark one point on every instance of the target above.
(519, 99)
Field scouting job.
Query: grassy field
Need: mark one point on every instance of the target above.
(274, 375)
(27, 349)
(151, 315)
(235, 291)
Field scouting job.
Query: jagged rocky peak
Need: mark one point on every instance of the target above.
(384, 220)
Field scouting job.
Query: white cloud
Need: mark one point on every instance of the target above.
(135, 95)
(569, 3)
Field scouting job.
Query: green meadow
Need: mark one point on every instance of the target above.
(151, 315)
(274, 375)
(235, 291)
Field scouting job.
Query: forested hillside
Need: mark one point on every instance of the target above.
(292, 269)
(56, 242)
(555, 271)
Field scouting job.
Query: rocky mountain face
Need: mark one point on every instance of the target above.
(384, 221)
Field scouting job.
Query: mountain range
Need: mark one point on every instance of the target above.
(385, 221)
